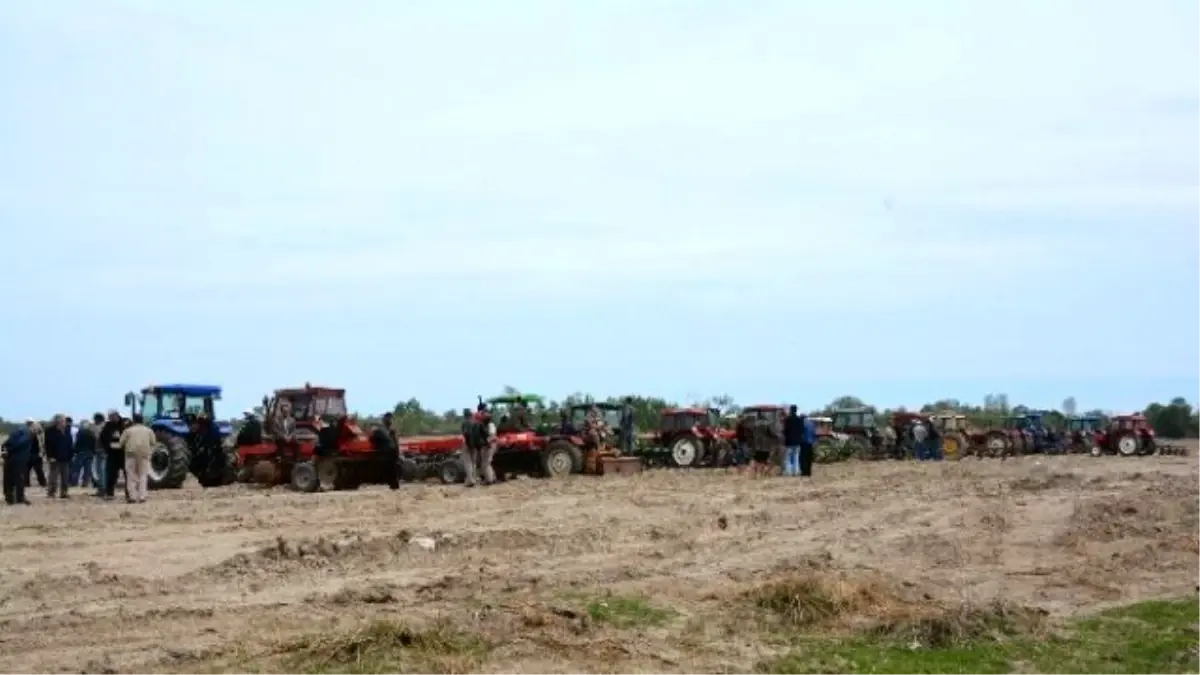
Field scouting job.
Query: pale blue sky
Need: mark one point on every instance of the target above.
(779, 200)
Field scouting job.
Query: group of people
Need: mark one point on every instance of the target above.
(768, 442)
(91, 455)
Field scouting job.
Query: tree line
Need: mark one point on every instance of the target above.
(1174, 419)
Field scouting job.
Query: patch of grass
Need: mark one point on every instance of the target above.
(387, 647)
(1147, 637)
(627, 612)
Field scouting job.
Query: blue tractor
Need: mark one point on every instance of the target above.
(190, 438)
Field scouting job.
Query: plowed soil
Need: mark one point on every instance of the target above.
(228, 578)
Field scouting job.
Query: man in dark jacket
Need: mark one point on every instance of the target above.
(100, 458)
(17, 449)
(34, 466)
(793, 440)
(85, 453)
(58, 452)
(114, 463)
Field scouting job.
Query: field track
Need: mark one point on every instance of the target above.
(216, 579)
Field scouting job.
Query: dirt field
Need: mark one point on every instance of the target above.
(653, 573)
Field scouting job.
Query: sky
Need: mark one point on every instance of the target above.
(779, 200)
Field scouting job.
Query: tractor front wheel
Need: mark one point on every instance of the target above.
(304, 477)
(169, 463)
(1128, 445)
(452, 471)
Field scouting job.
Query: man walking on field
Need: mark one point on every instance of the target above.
(138, 443)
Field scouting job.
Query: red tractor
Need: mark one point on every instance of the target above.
(1127, 436)
(329, 449)
(692, 437)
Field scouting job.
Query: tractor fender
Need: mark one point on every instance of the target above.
(225, 429)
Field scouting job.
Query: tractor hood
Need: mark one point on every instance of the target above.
(179, 427)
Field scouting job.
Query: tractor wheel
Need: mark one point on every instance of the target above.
(169, 463)
(329, 474)
(1128, 445)
(685, 451)
(722, 453)
(263, 472)
(408, 470)
(1095, 450)
(452, 471)
(1148, 446)
(304, 477)
(560, 459)
(954, 446)
(997, 445)
(222, 471)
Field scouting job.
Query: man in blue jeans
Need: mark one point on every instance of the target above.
(793, 439)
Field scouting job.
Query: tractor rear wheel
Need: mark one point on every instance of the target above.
(722, 453)
(169, 463)
(954, 446)
(561, 458)
(1128, 445)
(685, 451)
(304, 477)
(997, 445)
(329, 474)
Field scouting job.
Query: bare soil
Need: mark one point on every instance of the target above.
(665, 571)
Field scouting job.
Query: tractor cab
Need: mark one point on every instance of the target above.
(685, 419)
(609, 412)
(1135, 423)
(854, 420)
(949, 422)
(312, 407)
(502, 408)
(769, 412)
(1081, 424)
(172, 407)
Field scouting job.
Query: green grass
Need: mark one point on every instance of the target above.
(387, 647)
(1148, 637)
(627, 612)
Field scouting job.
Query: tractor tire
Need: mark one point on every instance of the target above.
(169, 464)
(997, 445)
(226, 473)
(304, 477)
(560, 459)
(826, 450)
(1128, 445)
(329, 475)
(954, 446)
(722, 454)
(408, 470)
(452, 471)
(1095, 450)
(685, 451)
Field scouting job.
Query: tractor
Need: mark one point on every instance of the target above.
(862, 437)
(190, 438)
(902, 426)
(955, 432)
(1081, 432)
(693, 437)
(537, 448)
(1127, 436)
(1020, 434)
(329, 449)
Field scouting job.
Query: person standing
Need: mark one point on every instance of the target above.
(628, 426)
(391, 454)
(807, 446)
(137, 443)
(99, 459)
(488, 452)
(16, 449)
(793, 439)
(85, 452)
(114, 461)
(35, 454)
(476, 437)
(920, 438)
(58, 453)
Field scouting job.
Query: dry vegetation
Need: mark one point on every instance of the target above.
(668, 571)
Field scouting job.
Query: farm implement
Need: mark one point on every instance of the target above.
(190, 438)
